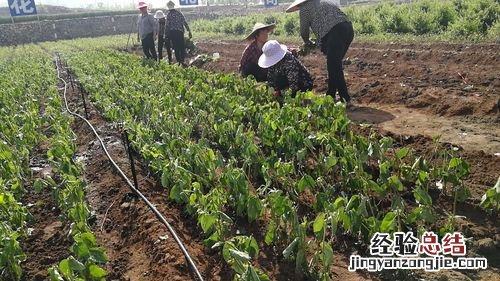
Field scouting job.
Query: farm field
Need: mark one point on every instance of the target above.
(255, 189)
(138, 246)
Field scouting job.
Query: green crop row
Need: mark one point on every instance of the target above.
(226, 150)
(69, 193)
(449, 20)
(23, 87)
(30, 112)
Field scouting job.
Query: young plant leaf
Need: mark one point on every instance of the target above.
(75, 264)
(98, 255)
(402, 153)
(254, 208)
(206, 222)
(306, 182)
(327, 253)
(270, 233)
(422, 197)
(65, 269)
(319, 223)
(388, 222)
(97, 272)
(239, 255)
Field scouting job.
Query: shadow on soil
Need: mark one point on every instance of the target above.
(363, 114)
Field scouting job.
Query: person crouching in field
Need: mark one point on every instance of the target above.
(249, 59)
(284, 70)
(175, 32)
(160, 17)
(147, 28)
(334, 32)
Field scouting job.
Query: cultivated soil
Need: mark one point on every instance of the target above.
(48, 241)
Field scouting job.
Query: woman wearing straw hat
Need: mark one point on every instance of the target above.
(147, 28)
(334, 32)
(160, 17)
(249, 59)
(175, 31)
(284, 70)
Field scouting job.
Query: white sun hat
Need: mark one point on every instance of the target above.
(272, 53)
(295, 6)
(159, 14)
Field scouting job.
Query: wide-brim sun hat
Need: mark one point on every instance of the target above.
(272, 53)
(295, 6)
(142, 5)
(159, 14)
(170, 4)
(259, 26)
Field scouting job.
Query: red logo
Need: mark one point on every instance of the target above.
(429, 244)
(453, 244)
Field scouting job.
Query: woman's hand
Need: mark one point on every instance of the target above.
(294, 51)
(307, 48)
(309, 44)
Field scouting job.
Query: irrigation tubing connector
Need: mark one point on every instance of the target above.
(129, 183)
(130, 157)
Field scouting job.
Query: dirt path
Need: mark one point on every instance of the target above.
(47, 243)
(428, 89)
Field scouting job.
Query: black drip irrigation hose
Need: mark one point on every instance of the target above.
(131, 186)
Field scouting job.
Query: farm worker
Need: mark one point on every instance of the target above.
(334, 32)
(147, 28)
(160, 17)
(175, 31)
(249, 59)
(284, 70)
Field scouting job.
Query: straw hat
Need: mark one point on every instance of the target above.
(170, 5)
(258, 26)
(141, 5)
(295, 6)
(272, 53)
(159, 14)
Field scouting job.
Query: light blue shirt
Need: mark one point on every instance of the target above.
(146, 25)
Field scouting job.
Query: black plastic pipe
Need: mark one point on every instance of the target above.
(135, 190)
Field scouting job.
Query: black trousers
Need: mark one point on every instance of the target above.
(177, 39)
(148, 46)
(168, 46)
(335, 45)
(160, 46)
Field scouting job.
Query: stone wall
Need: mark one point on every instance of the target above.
(30, 32)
